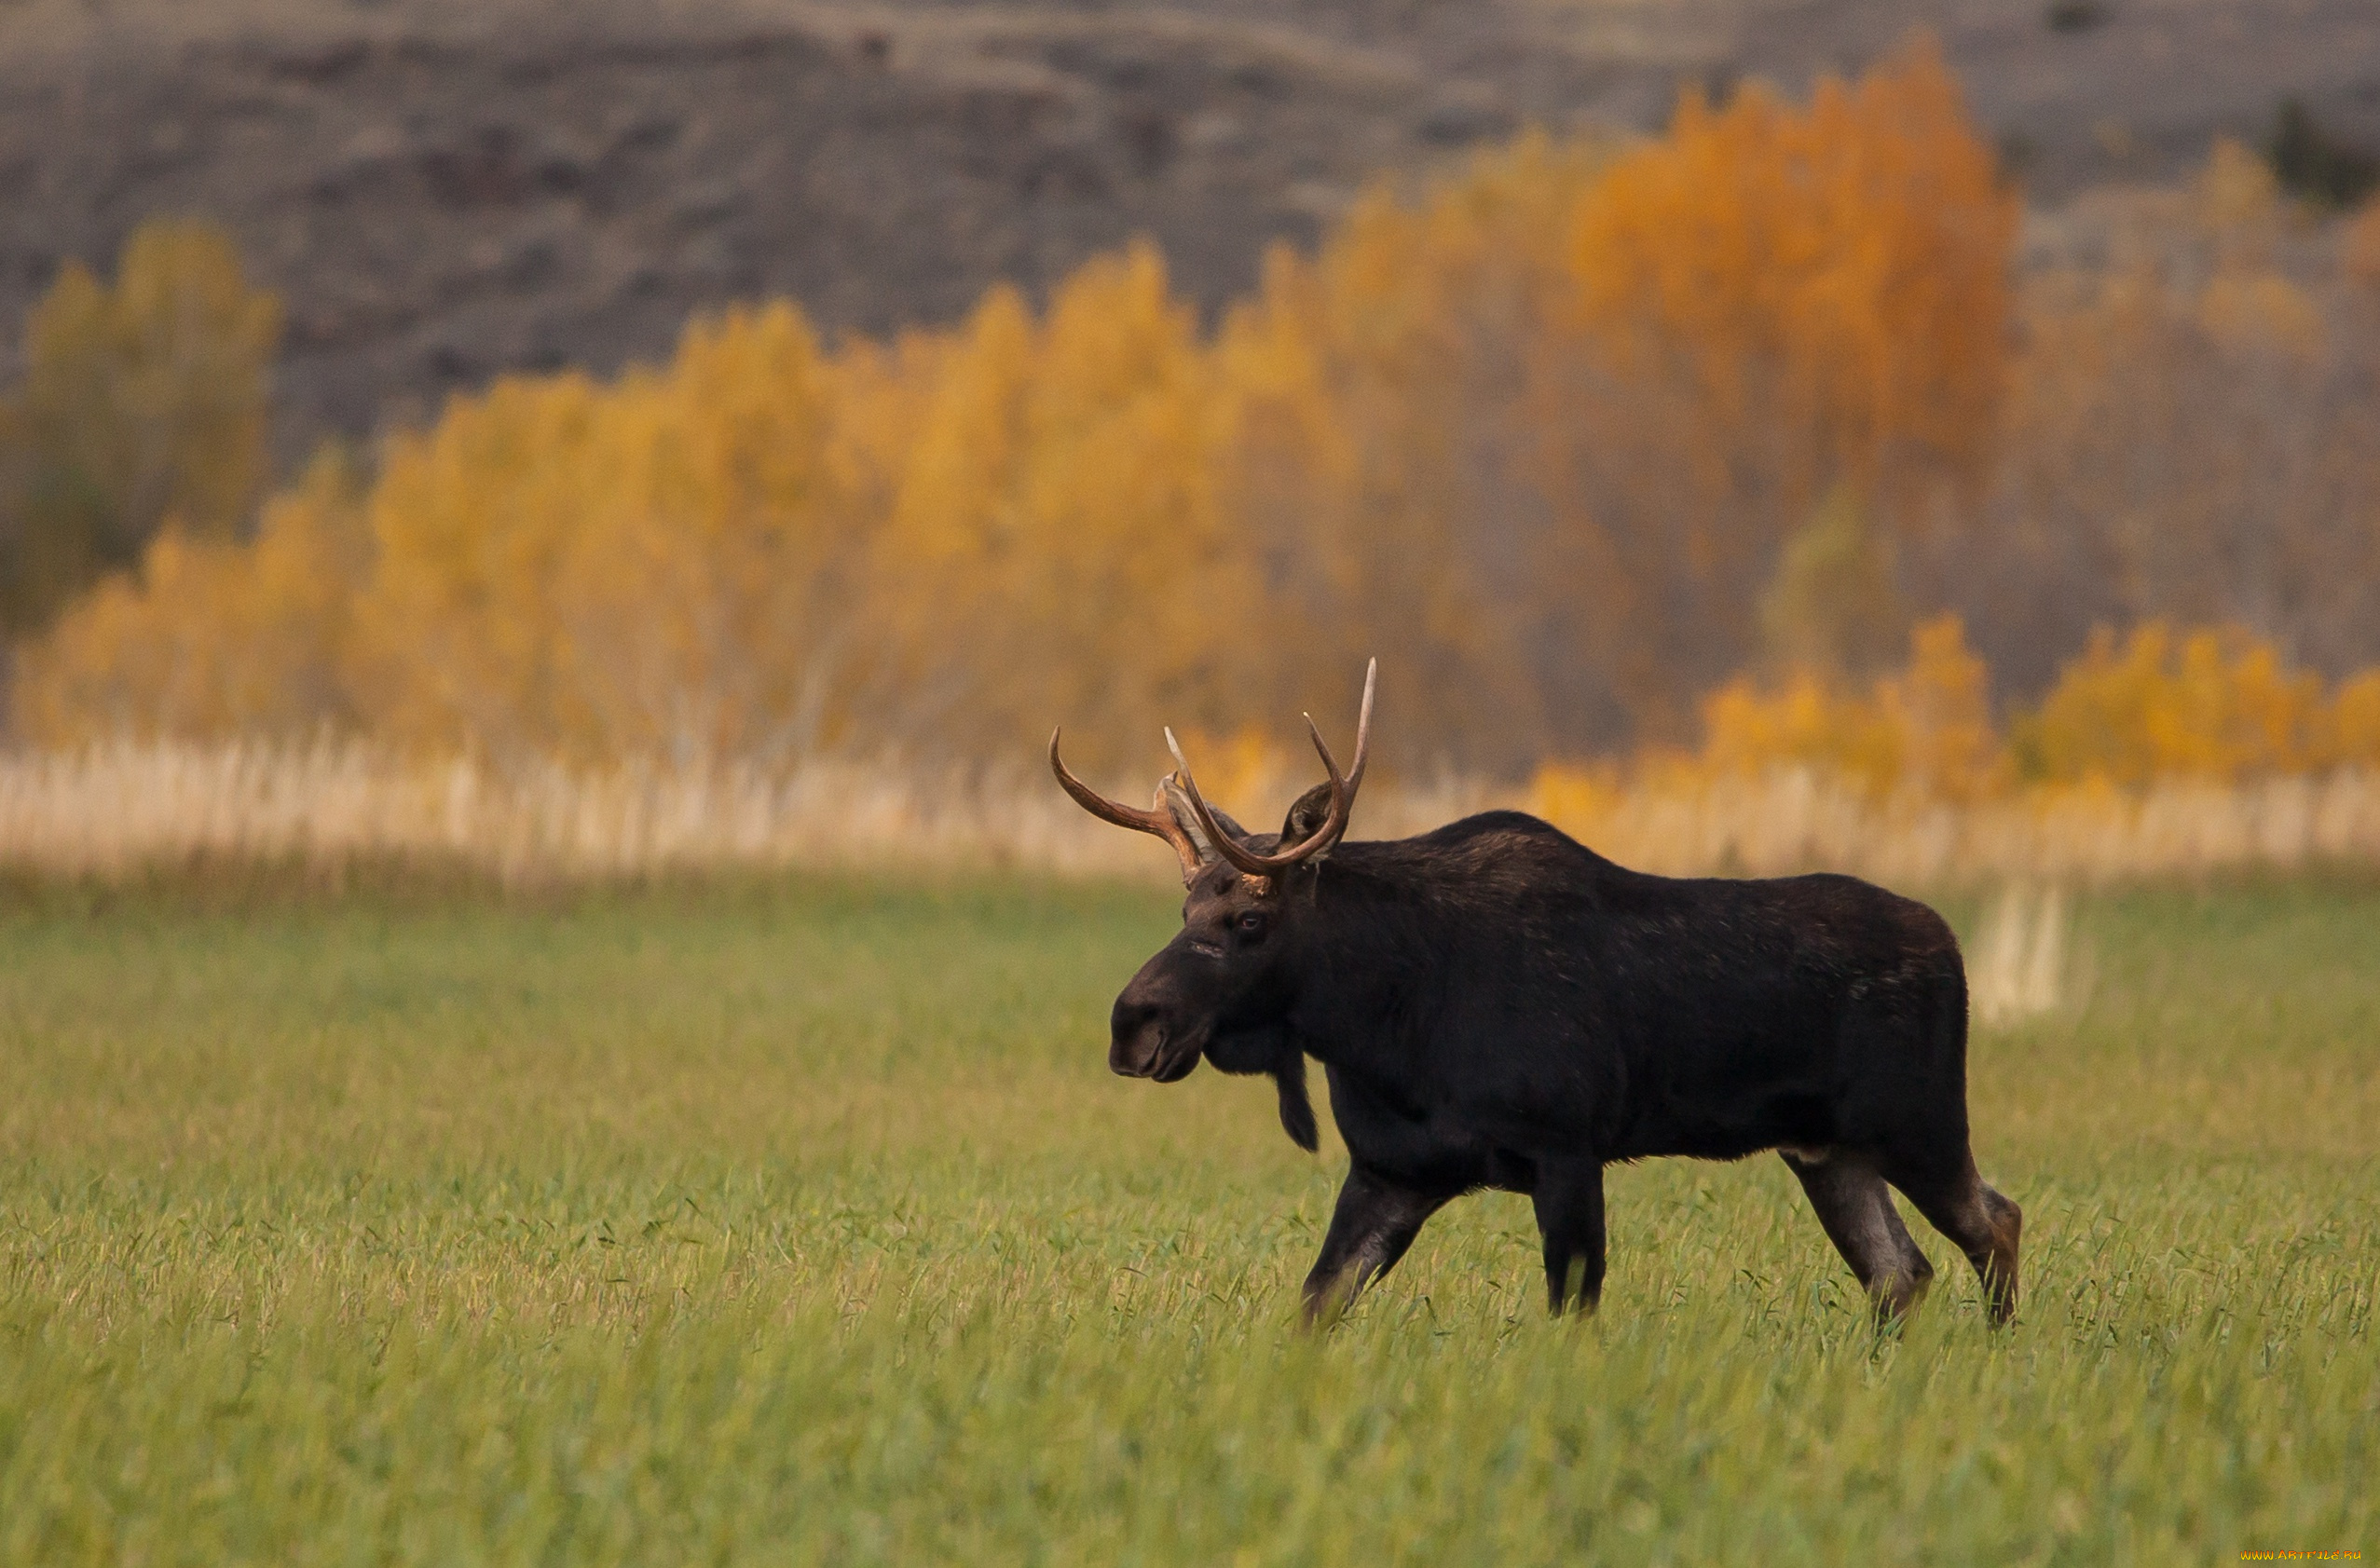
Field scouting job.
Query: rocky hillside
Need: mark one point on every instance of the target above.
(443, 191)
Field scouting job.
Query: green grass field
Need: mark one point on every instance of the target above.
(803, 1222)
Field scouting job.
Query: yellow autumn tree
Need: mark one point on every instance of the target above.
(211, 638)
(1924, 730)
(458, 632)
(2353, 732)
(706, 596)
(143, 399)
(2159, 702)
(659, 568)
(1055, 548)
(1384, 462)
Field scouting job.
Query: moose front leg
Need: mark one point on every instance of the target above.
(1375, 1220)
(1569, 1215)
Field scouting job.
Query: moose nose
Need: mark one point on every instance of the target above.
(1136, 1036)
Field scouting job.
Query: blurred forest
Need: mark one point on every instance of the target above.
(1744, 445)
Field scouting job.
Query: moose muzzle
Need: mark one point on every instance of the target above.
(1141, 1044)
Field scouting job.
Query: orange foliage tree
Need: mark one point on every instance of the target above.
(1772, 306)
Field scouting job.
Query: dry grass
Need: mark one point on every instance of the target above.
(2021, 964)
(117, 810)
(1794, 820)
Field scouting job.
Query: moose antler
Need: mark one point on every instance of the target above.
(1160, 822)
(1335, 824)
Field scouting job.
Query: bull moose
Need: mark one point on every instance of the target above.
(1495, 1006)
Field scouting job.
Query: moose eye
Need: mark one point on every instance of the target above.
(1249, 924)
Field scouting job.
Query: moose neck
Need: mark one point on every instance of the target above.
(1366, 997)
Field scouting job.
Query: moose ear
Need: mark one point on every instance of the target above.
(1306, 816)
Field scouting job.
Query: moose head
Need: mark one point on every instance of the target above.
(1222, 988)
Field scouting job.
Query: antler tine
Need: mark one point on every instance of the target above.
(1330, 763)
(1335, 826)
(1245, 859)
(1362, 737)
(1161, 824)
(1363, 730)
(1342, 790)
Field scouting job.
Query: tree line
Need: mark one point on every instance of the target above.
(1604, 450)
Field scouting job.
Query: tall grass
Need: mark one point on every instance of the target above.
(120, 809)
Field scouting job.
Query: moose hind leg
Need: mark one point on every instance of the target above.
(1857, 1209)
(1374, 1223)
(1570, 1215)
(1983, 1224)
